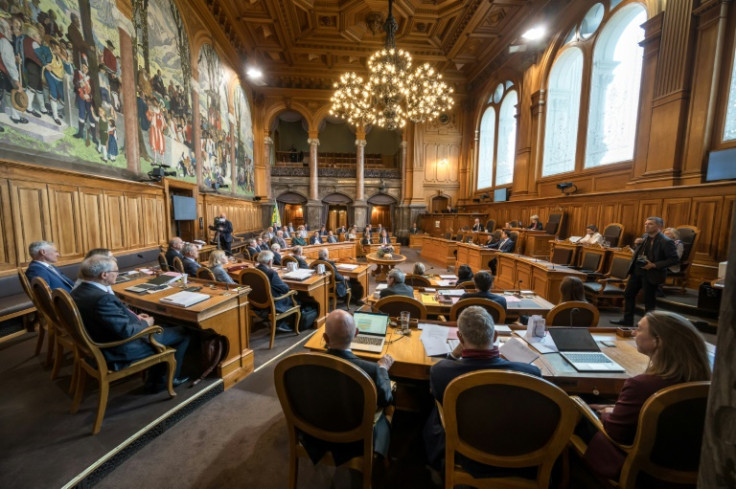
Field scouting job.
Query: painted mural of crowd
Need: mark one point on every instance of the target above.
(45, 69)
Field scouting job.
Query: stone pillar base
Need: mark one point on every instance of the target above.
(406, 215)
(314, 214)
(360, 211)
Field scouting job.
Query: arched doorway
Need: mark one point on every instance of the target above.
(381, 210)
(291, 208)
(335, 210)
(440, 203)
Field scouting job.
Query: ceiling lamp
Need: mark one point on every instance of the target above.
(393, 92)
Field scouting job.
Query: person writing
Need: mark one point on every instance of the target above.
(217, 259)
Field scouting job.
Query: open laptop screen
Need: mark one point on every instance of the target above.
(573, 339)
(371, 323)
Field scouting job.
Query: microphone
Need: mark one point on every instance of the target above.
(573, 311)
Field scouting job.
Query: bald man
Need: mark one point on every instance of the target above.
(339, 332)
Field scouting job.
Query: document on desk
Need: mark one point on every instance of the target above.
(448, 277)
(381, 286)
(445, 283)
(515, 350)
(452, 292)
(185, 299)
(347, 266)
(436, 339)
(543, 345)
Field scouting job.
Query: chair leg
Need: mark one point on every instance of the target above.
(273, 333)
(293, 465)
(79, 392)
(171, 362)
(50, 347)
(58, 358)
(102, 405)
(75, 373)
(39, 341)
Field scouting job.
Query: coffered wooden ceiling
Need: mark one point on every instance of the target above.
(307, 43)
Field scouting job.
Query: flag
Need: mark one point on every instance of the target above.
(275, 219)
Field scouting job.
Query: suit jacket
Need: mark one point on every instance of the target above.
(486, 295)
(413, 230)
(478, 227)
(398, 289)
(503, 245)
(332, 239)
(281, 242)
(384, 240)
(315, 240)
(298, 241)
(278, 288)
(253, 250)
(226, 233)
(302, 263)
(276, 258)
(171, 253)
(190, 266)
(537, 227)
(366, 240)
(221, 275)
(340, 286)
(107, 319)
(264, 247)
(52, 275)
(663, 253)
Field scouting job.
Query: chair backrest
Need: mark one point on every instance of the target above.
(286, 259)
(689, 237)
(205, 273)
(573, 313)
(27, 287)
(448, 235)
(44, 302)
(178, 265)
(507, 419)
(260, 294)
(254, 257)
(490, 225)
(514, 224)
(554, 223)
(327, 398)
(71, 321)
(417, 280)
(328, 268)
(467, 285)
(666, 447)
(612, 233)
(620, 264)
(393, 305)
(494, 308)
(562, 256)
(162, 262)
(514, 235)
(592, 259)
(246, 254)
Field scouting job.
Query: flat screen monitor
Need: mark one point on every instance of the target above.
(500, 195)
(185, 208)
(721, 165)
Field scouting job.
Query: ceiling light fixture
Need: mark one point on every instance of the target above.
(534, 34)
(393, 92)
(254, 73)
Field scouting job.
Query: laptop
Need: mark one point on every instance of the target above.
(577, 346)
(372, 335)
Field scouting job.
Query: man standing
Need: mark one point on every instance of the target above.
(107, 319)
(224, 230)
(396, 285)
(44, 256)
(191, 254)
(174, 251)
(648, 268)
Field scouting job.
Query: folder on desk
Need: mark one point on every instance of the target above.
(185, 299)
(347, 266)
(299, 275)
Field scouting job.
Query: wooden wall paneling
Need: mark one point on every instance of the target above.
(7, 242)
(724, 236)
(162, 221)
(649, 208)
(630, 219)
(706, 212)
(151, 221)
(134, 220)
(576, 217)
(115, 212)
(66, 225)
(94, 224)
(676, 211)
(608, 212)
(31, 221)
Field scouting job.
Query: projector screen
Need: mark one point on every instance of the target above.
(500, 195)
(721, 165)
(185, 208)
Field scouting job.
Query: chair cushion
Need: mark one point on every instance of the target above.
(607, 290)
(13, 303)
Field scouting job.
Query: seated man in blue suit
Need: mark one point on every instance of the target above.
(278, 287)
(44, 256)
(107, 319)
(476, 334)
(483, 282)
(297, 253)
(174, 251)
(191, 255)
(341, 287)
(396, 285)
(339, 332)
(504, 245)
(276, 250)
(315, 239)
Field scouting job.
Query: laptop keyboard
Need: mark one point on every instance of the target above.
(588, 358)
(367, 340)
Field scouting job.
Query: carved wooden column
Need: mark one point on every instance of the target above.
(360, 169)
(267, 148)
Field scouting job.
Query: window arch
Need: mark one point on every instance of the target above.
(729, 127)
(563, 113)
(497, 138)
(615, 87)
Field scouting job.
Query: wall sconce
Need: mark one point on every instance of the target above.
(443, 162)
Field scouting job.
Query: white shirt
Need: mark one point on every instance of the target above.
(595, 238)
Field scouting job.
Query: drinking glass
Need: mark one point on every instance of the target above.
(404, 317)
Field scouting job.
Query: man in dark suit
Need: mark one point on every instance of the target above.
(648, 268)
(107, 319)
(297, 253)
(253, 247)
(331, 238)
(174, 251)
(44, 256)
(339, 332)
(315, 239)
(483, 282)
(341, 287)
(504, 245)
(278, 287)
(279, 239)
(396, 285)
(276, 250)
(475, 351)
(477, 226)
(191, 255)
(224, 233)
(414, 229)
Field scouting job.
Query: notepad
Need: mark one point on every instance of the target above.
(347, 266)
(448, 277)
(185, 299)
(514, 350)
(300, 274)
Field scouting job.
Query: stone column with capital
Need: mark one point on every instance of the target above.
(360, 169)
(314, 206)
(267, 145)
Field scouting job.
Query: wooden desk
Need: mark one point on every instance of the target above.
(522, 272)
(205, 251)
(383, 265)
(225, 313)
(338, 251)
(477, 257)
(416, 240)
(439, 251)
(537, 243)
(315, 287)
(374, 247)
(411, 362)
(359, 274)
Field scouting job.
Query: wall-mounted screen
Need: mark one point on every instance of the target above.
(501, 195)
(721, 165)
(185, 208)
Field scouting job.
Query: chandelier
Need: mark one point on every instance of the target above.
(393, 92)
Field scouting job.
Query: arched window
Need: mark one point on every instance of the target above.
(563, 112)
(729, 128)
(615, 86)
(497, 138)
(486, 148)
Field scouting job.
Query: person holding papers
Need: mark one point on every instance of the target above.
(107, 319)
(483, 282)
(396, 285)
(475, 351)
(191, 253)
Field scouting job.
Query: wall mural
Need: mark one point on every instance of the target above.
(60, 80)
(245, 179)
(163, 78)
(214, 120)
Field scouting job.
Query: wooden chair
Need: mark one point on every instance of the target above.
(163, 263)
(62, 339)
(554, 223)
(611, 287)
(613, 234)
(92, 362)
(254, 257)
(393, 305)
(518, 242)
(467, 285)
(494, 308)
(507, 420)
(573, 313)
(43, 327)
(417, 280)
(689, 237)
(332, 287)
(668, 438)
(592, 262)
(490, 225)
(286, 259)
(260, 297)
(246, 254)
(206, 274)
(562, 256)
(178, 265)
(337, 408)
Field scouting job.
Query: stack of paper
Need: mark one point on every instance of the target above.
(514, 350)
(449, 277)
(185, 299)
(437, 339)
(300, 274)
(347, 266)
(452, 292)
